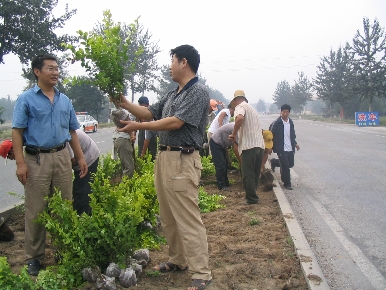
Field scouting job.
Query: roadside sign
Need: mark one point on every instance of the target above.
(366, 119)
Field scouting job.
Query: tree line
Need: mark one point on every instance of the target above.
(352, 78)
(27, 29)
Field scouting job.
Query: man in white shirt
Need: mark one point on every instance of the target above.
(251, 144)
(222, 118)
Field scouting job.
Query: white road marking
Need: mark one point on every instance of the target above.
(367, 268)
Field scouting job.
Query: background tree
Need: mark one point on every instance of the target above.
(260, 106)
(282, 94)
(86, 97)
(27, 28)
(369, 51)
(141, 68)
(301, 93)
(7, 104)
(2, 109)
(273, 108)
(166, 84)
(213, 93)
(334, 79)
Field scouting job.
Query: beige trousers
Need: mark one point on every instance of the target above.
(54, 171)
(177, 178)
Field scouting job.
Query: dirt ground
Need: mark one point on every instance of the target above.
(249, 247)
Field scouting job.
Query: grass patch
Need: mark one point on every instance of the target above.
(290, 241)
(382, 121)
(254, 222)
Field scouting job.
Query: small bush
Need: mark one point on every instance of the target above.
(207, 166)
(209, 203)
(11, 281)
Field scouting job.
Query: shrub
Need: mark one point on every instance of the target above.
(11, 281)
(207, 166)
(209, 203)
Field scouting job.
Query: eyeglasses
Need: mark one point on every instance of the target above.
(52, 69)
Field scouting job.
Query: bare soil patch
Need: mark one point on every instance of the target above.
(249, 247)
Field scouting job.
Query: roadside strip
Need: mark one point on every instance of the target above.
(310, 267)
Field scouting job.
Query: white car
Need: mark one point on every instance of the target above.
(87, 122)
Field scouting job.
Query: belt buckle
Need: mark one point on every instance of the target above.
(168, 148)
(53, 150)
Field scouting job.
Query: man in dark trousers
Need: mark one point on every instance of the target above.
(180, 118)
(219, 144)
(152, 142)
(284, 144)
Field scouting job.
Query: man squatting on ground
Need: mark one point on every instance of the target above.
(251, 144)
(219, 144)
(284, 144)
(43, 121)
(180, 118)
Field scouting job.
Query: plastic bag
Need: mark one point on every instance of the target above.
(128, 278)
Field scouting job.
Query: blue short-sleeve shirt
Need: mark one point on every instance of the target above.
(45, 124)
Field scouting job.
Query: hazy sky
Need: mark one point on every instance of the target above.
(248, 45)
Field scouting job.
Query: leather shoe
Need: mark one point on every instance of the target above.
(289, 187)
(33, 267)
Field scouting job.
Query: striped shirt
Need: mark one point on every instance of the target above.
(250, 132)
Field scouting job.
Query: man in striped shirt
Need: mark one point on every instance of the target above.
(251, 144)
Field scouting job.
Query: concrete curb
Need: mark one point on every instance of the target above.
(310, 267)
(5, 213)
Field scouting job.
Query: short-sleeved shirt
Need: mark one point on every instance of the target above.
(189, 105)
(214, 125)
(45, 124)
(89, 148)
(250, 132)
(221, 136)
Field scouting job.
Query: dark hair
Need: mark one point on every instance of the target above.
(285, 107)
(189, 53)
(230, 106)
(38, 61)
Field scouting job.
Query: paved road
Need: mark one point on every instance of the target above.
(9, 182)
(339, 198)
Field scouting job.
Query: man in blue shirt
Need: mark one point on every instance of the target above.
(43, 121)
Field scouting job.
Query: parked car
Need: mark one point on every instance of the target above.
(87, 122)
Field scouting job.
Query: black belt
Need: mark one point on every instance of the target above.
(183, 149)
(34, 151)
